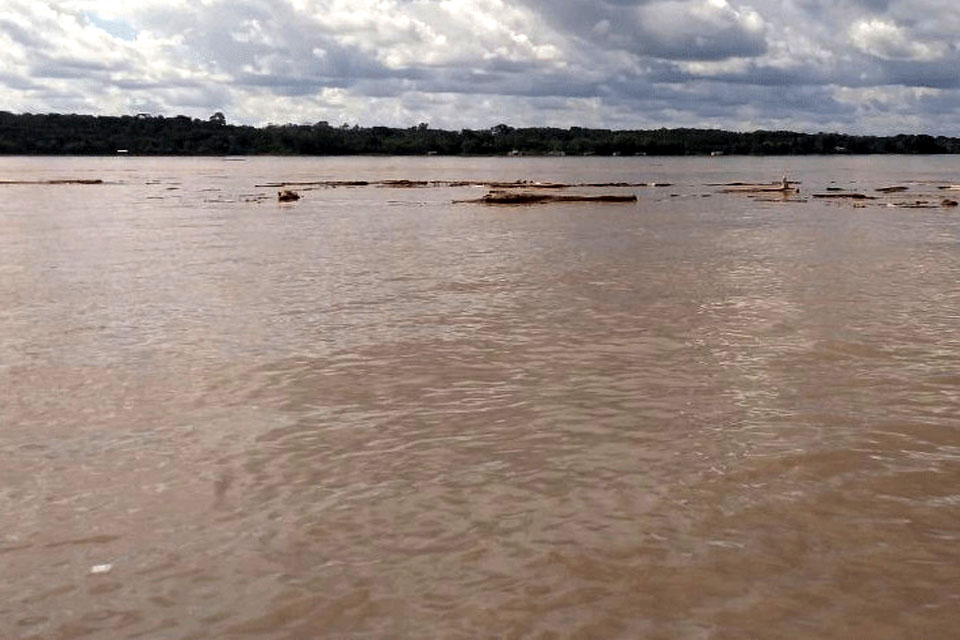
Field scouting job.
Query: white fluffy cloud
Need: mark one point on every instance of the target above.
(870, 66)
(886, 40)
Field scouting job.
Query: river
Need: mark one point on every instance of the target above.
(377, 413)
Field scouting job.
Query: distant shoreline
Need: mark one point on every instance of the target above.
(465, 156)
(149, 135)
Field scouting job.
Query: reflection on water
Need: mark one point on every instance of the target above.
(375, 414)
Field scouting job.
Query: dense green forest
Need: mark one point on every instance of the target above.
(144, 134)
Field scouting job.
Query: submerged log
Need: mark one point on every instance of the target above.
(916, 204)
(526, 184)
(491, 184)
(403, 184)
(514, 197)
(768, 198)
(946, 203)
(847, 196)
(76, 181)
(762, 188)
(314, 183)
(738, 183)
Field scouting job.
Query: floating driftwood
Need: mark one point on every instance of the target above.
(490, 184)
(945, 203)
(780, 183)
(405, 184)
(515, 197)
(896, 189)
(314, 183)
(736, 183)
(762, 188)
(916, 204)
(78, 181)
(847, 196)
(287, 196)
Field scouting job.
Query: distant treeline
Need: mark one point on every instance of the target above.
(144, 134)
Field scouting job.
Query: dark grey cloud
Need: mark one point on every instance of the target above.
(671, 29)
(16, 82)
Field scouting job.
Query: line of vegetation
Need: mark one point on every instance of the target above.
(145, 134)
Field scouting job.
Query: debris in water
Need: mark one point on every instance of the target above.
(849, 196)
(490, 184)
(781, 183)
(101, 568)
(771, 198)
(513, 197)
(287, 196)
(80, 181)
(896, 189)
(321, 183)
(920, 204)
(762, 188)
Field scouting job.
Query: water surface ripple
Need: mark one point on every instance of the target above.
(377, 414)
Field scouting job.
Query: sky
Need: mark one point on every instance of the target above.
(856, 66)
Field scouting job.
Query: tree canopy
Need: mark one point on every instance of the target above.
(145, 134)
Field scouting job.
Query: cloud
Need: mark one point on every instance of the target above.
(888, 41)
(699, 30)
(736, 64)
(670, 29)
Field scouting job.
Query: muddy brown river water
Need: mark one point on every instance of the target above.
(376, 414)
